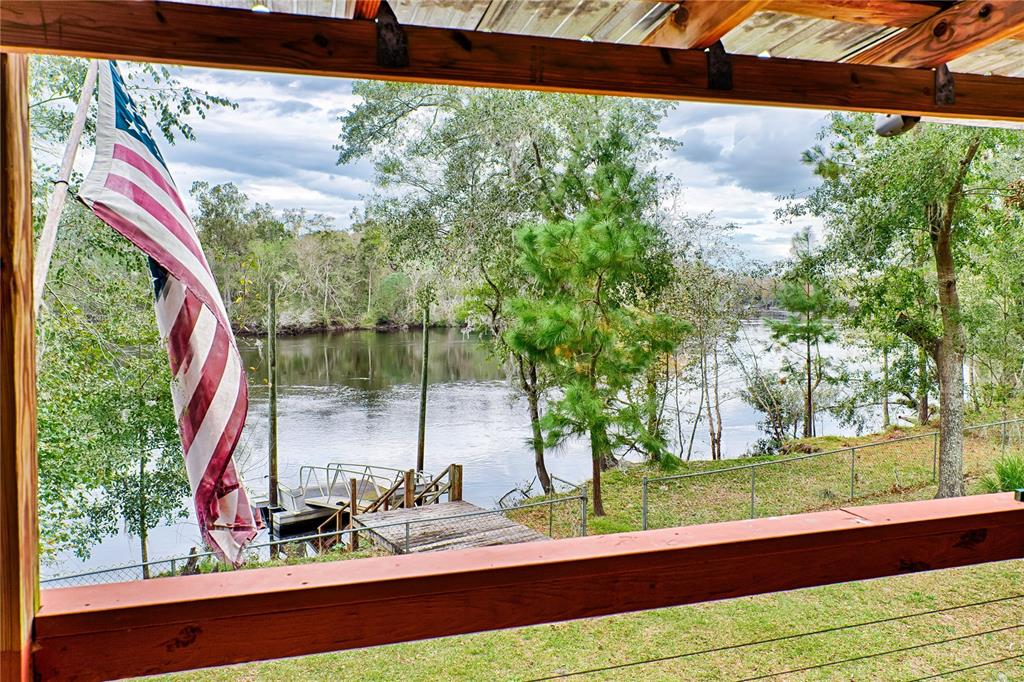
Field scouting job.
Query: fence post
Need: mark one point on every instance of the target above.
(643, 505)
(935, 456)
(583, 511)
(410, 489)
(353, 509)
(1002, 438)
(551, 518)
(753, 487)
(853, 473)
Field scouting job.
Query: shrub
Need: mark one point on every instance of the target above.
(1007, 474)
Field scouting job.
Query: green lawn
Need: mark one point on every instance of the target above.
(898, 471)
(528, 653)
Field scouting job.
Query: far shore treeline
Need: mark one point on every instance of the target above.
(546, 222)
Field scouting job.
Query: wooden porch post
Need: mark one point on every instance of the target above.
(19, 569)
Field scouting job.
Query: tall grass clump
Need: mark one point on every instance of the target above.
(1007, 474)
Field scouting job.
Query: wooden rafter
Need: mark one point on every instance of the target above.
(895, 13)
(198, 35)
(952, 33)
(701, 23)
(156, 626)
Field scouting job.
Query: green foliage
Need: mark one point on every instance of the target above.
(874, 198)
(588, 324)
(806, 296)
(1007, 474)
(779, 400)
(109, 450)
(55, 87)
(325, 277)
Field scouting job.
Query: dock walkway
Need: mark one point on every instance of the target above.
(431, 530)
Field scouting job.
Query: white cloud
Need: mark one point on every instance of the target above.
(277, 147)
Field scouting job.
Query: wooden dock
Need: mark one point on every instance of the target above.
(430, 529)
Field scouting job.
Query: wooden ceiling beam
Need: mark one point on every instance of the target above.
(952, 33)
(156, 626)
(198, 35)
(696, 24)
(895, 13)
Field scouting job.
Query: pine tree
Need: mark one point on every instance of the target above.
(804, 294)
(587, 325)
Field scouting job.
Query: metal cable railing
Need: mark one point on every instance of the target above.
(835, 476)
(539, 516)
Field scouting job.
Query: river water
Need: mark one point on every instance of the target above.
(353, 397)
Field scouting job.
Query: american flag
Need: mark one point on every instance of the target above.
(130, 189)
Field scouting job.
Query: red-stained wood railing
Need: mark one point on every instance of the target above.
(171, 624)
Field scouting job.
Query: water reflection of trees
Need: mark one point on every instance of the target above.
(373, 361)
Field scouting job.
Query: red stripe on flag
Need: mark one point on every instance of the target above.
(209, 381)
(141, 198)
(178, 347)
(158, 253)
(206, 492)
(134, 159)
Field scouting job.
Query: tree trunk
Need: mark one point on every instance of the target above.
(808, 405)
(421, 440)
(693, 431)
(885, 388)
(651, 404)
(949, 359)
(705, 398)
(718, 403)
(529, 381)
(598, 452)
(922, 388)
(143, 533)
(369, 292)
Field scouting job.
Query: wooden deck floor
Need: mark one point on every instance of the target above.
(429, 535)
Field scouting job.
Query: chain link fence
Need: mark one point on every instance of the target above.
(559, 516)
(898, 469)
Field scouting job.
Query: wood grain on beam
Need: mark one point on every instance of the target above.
(18, 564)
(952, 33)
(895, 13)
(166, 624)
(701, 23)
(180, 33)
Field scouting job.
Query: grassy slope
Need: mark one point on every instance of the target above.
(899, 471)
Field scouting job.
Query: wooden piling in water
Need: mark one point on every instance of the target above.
(353, 509)
(455, 482)
(410, 488)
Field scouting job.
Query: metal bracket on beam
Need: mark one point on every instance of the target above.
(719, 67)
(392, 49)
(945, 92)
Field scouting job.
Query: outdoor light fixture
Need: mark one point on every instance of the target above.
(890, 125)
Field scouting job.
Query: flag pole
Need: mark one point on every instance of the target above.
(44, 250)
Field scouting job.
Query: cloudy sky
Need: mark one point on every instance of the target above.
(277, 146)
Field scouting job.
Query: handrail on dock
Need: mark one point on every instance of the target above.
(448, 481)
(328, 477)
